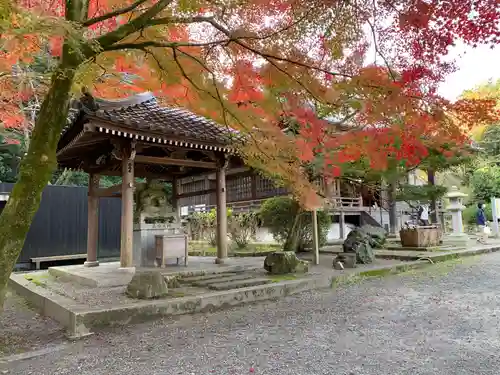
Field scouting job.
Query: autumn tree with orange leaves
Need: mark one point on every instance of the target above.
(372, 66)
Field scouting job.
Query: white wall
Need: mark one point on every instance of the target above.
(263, 234)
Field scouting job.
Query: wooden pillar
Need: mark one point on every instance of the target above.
(342, 225)
(93, 222)
(393, 213)
(175, 202)
(220, 176)
(127, 227)
(315, 236)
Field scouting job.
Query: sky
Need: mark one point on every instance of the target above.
(476, 66)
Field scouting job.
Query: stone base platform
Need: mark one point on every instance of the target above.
(111, 275)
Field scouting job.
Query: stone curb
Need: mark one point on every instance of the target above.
(31, 354)
(80, 319)
(49, 304)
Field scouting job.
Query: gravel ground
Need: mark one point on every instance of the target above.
(443, 320)
(22, 329)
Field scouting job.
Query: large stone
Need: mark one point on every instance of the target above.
(359, 242)
(283, 262)
(377, 235)
(147, 285)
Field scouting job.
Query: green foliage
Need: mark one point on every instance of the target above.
(79, 178)
(485, 183)
(70, 178)
(424, 193)
(469, 214)
(10, 157)
(437, 161)
(203, 225)
(490, 142)
(278, 215)
(242, 228)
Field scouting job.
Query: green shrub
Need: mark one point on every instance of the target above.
(485, 183)
(242, 228)
(469, 214)
(278, 215)
(203, 226)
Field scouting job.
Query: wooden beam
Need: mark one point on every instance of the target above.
(112, 191)
(196, 193)
(171, 161)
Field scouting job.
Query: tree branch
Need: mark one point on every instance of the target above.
(152, 43)
(237, 40)
(108, 39)
(116, 13)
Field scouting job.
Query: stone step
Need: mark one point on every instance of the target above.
(237, 284)
(220, 279)
(191, 279)
(432, 248)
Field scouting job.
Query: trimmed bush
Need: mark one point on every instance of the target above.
(279, 214)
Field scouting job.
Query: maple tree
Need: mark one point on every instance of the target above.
(246, 64)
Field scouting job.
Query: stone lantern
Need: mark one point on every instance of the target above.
(455, 207)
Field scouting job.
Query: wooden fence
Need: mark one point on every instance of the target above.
(60, 225)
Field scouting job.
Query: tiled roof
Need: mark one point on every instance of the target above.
(143, 113)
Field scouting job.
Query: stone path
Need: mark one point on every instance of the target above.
(441, 320)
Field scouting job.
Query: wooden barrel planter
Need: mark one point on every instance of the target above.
(421, 236)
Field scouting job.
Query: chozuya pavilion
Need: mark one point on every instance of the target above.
(136, 137)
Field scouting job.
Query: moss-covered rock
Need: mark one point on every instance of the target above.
(363, 240)
(284, 262)
(358, 242)
(147, 285)
(377, 235)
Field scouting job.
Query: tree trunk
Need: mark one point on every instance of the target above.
(431, 180)
(34, 174)
(393, 217)
(292, 241)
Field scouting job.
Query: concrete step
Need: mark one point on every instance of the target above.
(399, 255)
(432, 248)
(190, 279)
(222, 279)
(237, 284)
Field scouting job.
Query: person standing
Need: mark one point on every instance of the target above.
(481, 224)
(423, 214)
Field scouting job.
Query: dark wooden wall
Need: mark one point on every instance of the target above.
(240, 187)
(60, 225)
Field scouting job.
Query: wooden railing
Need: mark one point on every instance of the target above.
(333, 204)
(344, 203)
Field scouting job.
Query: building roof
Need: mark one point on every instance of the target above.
(141, 117)
(95, 126)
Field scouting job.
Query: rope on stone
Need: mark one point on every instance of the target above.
(425, 258)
